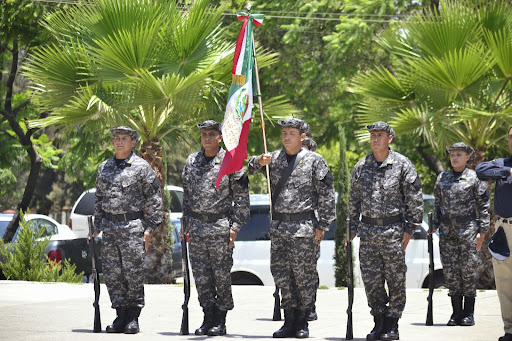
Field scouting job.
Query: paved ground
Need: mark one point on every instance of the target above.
(53, 311)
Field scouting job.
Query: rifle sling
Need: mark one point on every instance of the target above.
(287, 172)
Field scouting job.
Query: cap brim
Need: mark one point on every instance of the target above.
(498, 246)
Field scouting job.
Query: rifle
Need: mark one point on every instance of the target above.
(430, 298)
(350, 284)
(96, 278)
(186, 279)
(277, 306)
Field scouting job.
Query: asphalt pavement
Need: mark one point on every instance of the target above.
(61, 311)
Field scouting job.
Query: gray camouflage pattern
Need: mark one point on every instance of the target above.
(293, 266)
(210, 257)
(460, 262)
(211, 261)
(123, 268)
(391, 189)
(460, 196)
(309, 188)
(387, 190)
(131, 187)
(294, 252)
(201, 196)
(383, 261)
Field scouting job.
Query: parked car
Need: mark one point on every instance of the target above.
(252, 252)
(84, 207)
(63, 242)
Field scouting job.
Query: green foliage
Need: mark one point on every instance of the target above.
(448, 79)
(8, 181)
(26, 260)
(340, 234)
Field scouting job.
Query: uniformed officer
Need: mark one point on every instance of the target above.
(500, 170)
(461, 213)
(386, 193)
(295, 230)
(128, 208)
(213, 219)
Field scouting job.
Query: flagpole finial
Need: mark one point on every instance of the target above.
(248, 6)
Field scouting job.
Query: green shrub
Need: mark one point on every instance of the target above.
(26, 259)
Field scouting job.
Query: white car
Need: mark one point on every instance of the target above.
(251, 255)
(84, 207)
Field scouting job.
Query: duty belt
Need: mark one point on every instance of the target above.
(208, 218)
(382, 221)
(458, 219)
(124, 216)
(293, 216)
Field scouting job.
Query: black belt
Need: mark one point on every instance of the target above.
(382, 221)
(293, 216)
(208, 218)
(458, 219)
(124, 216)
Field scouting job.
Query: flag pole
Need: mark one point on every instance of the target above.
(256, 73)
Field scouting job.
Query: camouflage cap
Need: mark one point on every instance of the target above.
(460, 146)
(124, 131)
(294, 123)
(310, 143)
(210, 124)
(381, 126)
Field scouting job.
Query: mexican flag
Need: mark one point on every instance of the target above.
(235, 127)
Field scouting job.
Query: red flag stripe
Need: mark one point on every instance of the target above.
(239, 43)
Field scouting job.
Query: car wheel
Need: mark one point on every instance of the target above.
(245, 278)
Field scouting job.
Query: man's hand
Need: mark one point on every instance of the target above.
(264, 159)
(352, 236)
(479, 240)
(94, 235)
(147, 235)
(406, 239)
(232, 237)
(319, 235)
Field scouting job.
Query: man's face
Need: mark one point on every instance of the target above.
(292, 138)
(380, 140)
(510, 139)
(123, 144)
(210, 138)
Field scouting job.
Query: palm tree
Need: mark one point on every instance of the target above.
(450, 79)
(151, 63)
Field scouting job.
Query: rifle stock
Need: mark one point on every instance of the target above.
(277, 306)
(430, 298)
(96, 278)
(186, 279)
(350, 284)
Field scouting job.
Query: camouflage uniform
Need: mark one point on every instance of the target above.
(293, 247)
(210, 256)
(130, 187)
(391, 189)
(460, 212)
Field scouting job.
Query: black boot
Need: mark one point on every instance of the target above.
(457, 311)
(378, 329)
(288, 328)
(219, 325)
(118, 325)
(207, 321)
(390, 330)
(132, 321)
(506, 337)
(469, 309)
(301, 325)
(313, 315)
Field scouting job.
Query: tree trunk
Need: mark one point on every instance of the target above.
(36, 160)
(158, 262)
(431, 160)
